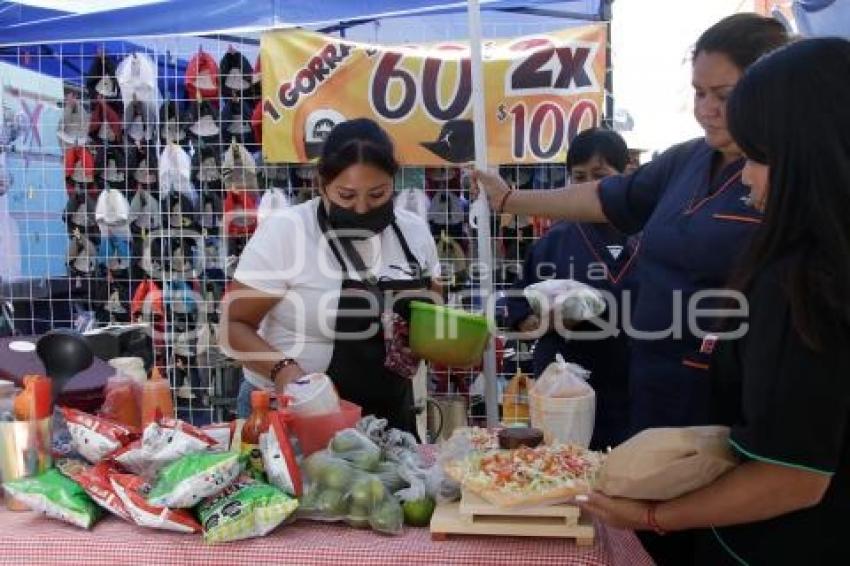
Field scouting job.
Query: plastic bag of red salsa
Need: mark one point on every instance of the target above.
(133, 492)
(94, 438)
(95, 481)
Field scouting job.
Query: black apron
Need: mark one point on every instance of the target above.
(357, 365)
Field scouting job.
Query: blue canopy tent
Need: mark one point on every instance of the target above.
(25, 25)
(60, 43)
(823, 17)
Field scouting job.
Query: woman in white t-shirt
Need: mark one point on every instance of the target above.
(314, 280)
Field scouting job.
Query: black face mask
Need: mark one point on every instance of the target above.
(367, 223)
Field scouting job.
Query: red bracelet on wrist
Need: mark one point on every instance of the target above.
(503, 200)
(651, 522)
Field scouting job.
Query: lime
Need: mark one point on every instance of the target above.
(418, 513)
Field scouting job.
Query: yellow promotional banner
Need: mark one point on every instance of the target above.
(540, 91)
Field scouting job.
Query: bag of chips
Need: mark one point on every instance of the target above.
(132, 490)
(94, 438)
(162, 442)
(95, 481)
(279, 458)
(245, 509)
(56, 496)
(194, 477)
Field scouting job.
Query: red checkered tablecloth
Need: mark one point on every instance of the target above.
(27, 538)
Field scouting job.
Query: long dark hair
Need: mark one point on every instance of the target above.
(791, 111)
(356, 141)
(743, 38)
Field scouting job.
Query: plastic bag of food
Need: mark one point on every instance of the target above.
(394, 443)
(94, 438)
(389, 474)
(133, 490)
(335, 490)
(162, 442)
(279, 458)
(356, 448)
(562, 379)
(575, 301)
(245, 509)
(95, 481)
(194, 477)
(56, 496)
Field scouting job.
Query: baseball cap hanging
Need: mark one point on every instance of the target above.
(105, 123)
(73, 129)
(137, 80)
(202, 76)
(79, 165)
(211, 209)
(101, 78)
(202, 118)
(112, 208)
(147, 301)
(236, 120)
(114, 166)
(240, 213)
(82, 254)
(206, 166)
(146, 168)
(235, 72)
(181, 210)
(239, 170)
(175, 171)
(144, 211)
(171, 128)
(137, 127)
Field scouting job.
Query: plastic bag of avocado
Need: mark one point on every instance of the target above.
(245, 509)
(335, 490)
(355, 447)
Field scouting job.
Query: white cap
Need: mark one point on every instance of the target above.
(175, 171)
(112, 207)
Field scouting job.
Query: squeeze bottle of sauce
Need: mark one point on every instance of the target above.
(257, 424)
(35, 401)
(156, 399)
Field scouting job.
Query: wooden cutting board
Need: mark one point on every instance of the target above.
(475, 516)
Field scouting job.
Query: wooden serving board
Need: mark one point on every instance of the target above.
(475, 516)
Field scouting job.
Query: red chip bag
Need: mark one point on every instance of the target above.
(132, 491)
(162, 442)
(95, 437)
(279, 457)
(95, 481)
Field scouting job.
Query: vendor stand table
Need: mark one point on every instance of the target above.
(27, 538)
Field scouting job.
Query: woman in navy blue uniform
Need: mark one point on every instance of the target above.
(602, 257)
(690, 205)
(784, 387)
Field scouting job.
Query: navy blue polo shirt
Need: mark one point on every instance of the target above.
(695, 228)
(579, 252)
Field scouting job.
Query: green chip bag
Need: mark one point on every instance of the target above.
(194, 477)
(56, 496)
(246, 509)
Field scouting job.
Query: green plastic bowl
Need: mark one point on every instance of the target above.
(447, 336)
